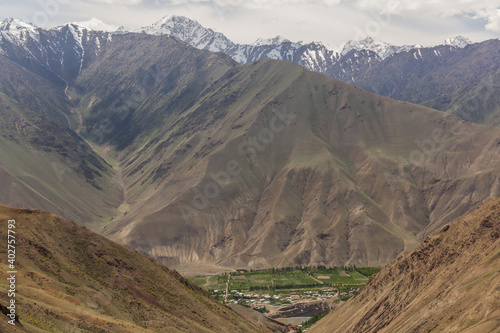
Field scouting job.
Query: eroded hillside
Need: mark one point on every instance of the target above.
(450, 283)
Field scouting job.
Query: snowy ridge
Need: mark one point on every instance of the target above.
(271, 41)
(317, 57)
(14, 25)
(63, 50)
(314, 56)
(189, 31)
(382, 49)
(85, 39)
(458, 41)
(17, 31)
(121, 30)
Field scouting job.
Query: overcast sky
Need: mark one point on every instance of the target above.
(332, 22)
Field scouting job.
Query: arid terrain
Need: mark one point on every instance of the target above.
(72, 280)
(450, 283)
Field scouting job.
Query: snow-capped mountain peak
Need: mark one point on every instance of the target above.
(173, 24)
(17, 31)
(165, 24)
(65, 48)
(13, 25)
(458, 41)
(189, 31)
(358, 45)
(382, 49)
(121, 30)
(72, 26)
(271, 41)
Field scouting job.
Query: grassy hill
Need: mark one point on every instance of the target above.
(72, 280)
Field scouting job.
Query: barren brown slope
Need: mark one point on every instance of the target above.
(349, 178)
(72, 280)
(450, 283)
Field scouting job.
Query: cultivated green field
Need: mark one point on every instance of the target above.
(289, 278)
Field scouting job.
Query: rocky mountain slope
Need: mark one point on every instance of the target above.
(463, 81)
(450, 283)
(180, 212)
(49, 166)
(328, 188)
(72, 280)
(193, 159)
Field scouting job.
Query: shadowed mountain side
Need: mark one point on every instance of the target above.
(72, 280)
(479, 102)
(34, 91)
(50, 165)
(464, 81)
(47, 165)
(450, 283)
(129, 95)
(274, 165)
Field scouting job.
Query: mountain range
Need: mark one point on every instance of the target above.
(309, 55)
(198, 161)
(438, 76)
(333, 61)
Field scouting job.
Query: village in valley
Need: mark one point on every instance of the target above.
(292, 295)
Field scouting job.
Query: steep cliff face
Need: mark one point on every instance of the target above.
(450, 283)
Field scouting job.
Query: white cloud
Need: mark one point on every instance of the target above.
(494, 21)
(413, 9)
(476, 9)
(96, 24)
(266, 4)
(118, 2)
